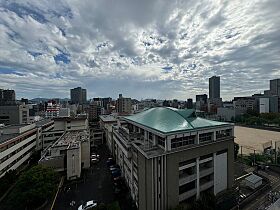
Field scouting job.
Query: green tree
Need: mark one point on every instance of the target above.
(33, 188)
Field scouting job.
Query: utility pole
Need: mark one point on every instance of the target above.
(254, 157)
(275, 153)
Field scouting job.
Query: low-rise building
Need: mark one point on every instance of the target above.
(170, 156)
(18, 142)
(70, 153)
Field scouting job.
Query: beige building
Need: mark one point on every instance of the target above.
(169, 156)
(70, 153)
(123, 105)
(18, 142)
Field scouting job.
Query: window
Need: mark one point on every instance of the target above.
(187, 172)
(187, 187)
(205, 137)
(223, 133)
(183, 163)
(161, 141)
(182, 141)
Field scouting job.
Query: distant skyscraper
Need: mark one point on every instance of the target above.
(275, 87)
(214, 87)
(7, 97)
(189, 103)
(78, 95)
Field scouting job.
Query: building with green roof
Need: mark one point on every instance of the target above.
(170, 156)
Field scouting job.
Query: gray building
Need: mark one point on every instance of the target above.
(214, 87)
(14, 114)
(169, 156)
(7, 97)
(275, 87)
(78, 95)
(123, 105)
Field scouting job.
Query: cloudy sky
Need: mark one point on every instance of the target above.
(143, 49)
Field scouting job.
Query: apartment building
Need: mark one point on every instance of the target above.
(123, 105)
(245, 103)
(170, 156)
(106, 125)
(18, 142)
(70, 153)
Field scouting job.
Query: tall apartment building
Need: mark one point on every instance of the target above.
(78, 95)
(169, 156)
(123, 105)
(18, 142)
(214, 87)
(14, 114)
(94, 111)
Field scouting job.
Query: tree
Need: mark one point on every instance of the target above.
(236, 150)
(33, 188)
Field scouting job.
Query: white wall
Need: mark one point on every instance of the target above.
(220, 172)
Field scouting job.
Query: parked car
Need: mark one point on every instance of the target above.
(116, 173)
(114, 167)
(110, 162)
(94, 160)
(88, 205)
(94, 155)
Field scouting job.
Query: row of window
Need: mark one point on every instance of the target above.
(182, 141)
(2, 160)
(16, 160)
(2, 149)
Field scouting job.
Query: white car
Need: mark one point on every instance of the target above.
(88, 205)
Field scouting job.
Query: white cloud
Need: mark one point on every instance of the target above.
(122, 46)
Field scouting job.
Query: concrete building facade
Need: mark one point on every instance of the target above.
(78, 95)
(169, 156)
(70, 153)
(123, 105)
(14, 114)
(214, 87)
(18, 142)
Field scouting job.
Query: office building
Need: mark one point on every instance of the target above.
(18, 142)
(169, 156)
(123, 105)
(78, 95)
(264, 105)
(245, 103)
(275, 87)
(214, 87)
(14, 114)
(70, 153)
(106, 125)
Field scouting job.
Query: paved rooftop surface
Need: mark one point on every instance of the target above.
(168, 120)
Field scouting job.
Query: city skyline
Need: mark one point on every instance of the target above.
(168, 53)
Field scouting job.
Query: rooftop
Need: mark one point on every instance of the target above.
(43, 122)
(170, 120)
(107, 118)
(253, 178)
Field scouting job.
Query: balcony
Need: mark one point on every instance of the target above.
(187, 194)
(206, 171)
(206, 185)
(186, 179)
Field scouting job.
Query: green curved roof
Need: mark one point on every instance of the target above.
(168, 120)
